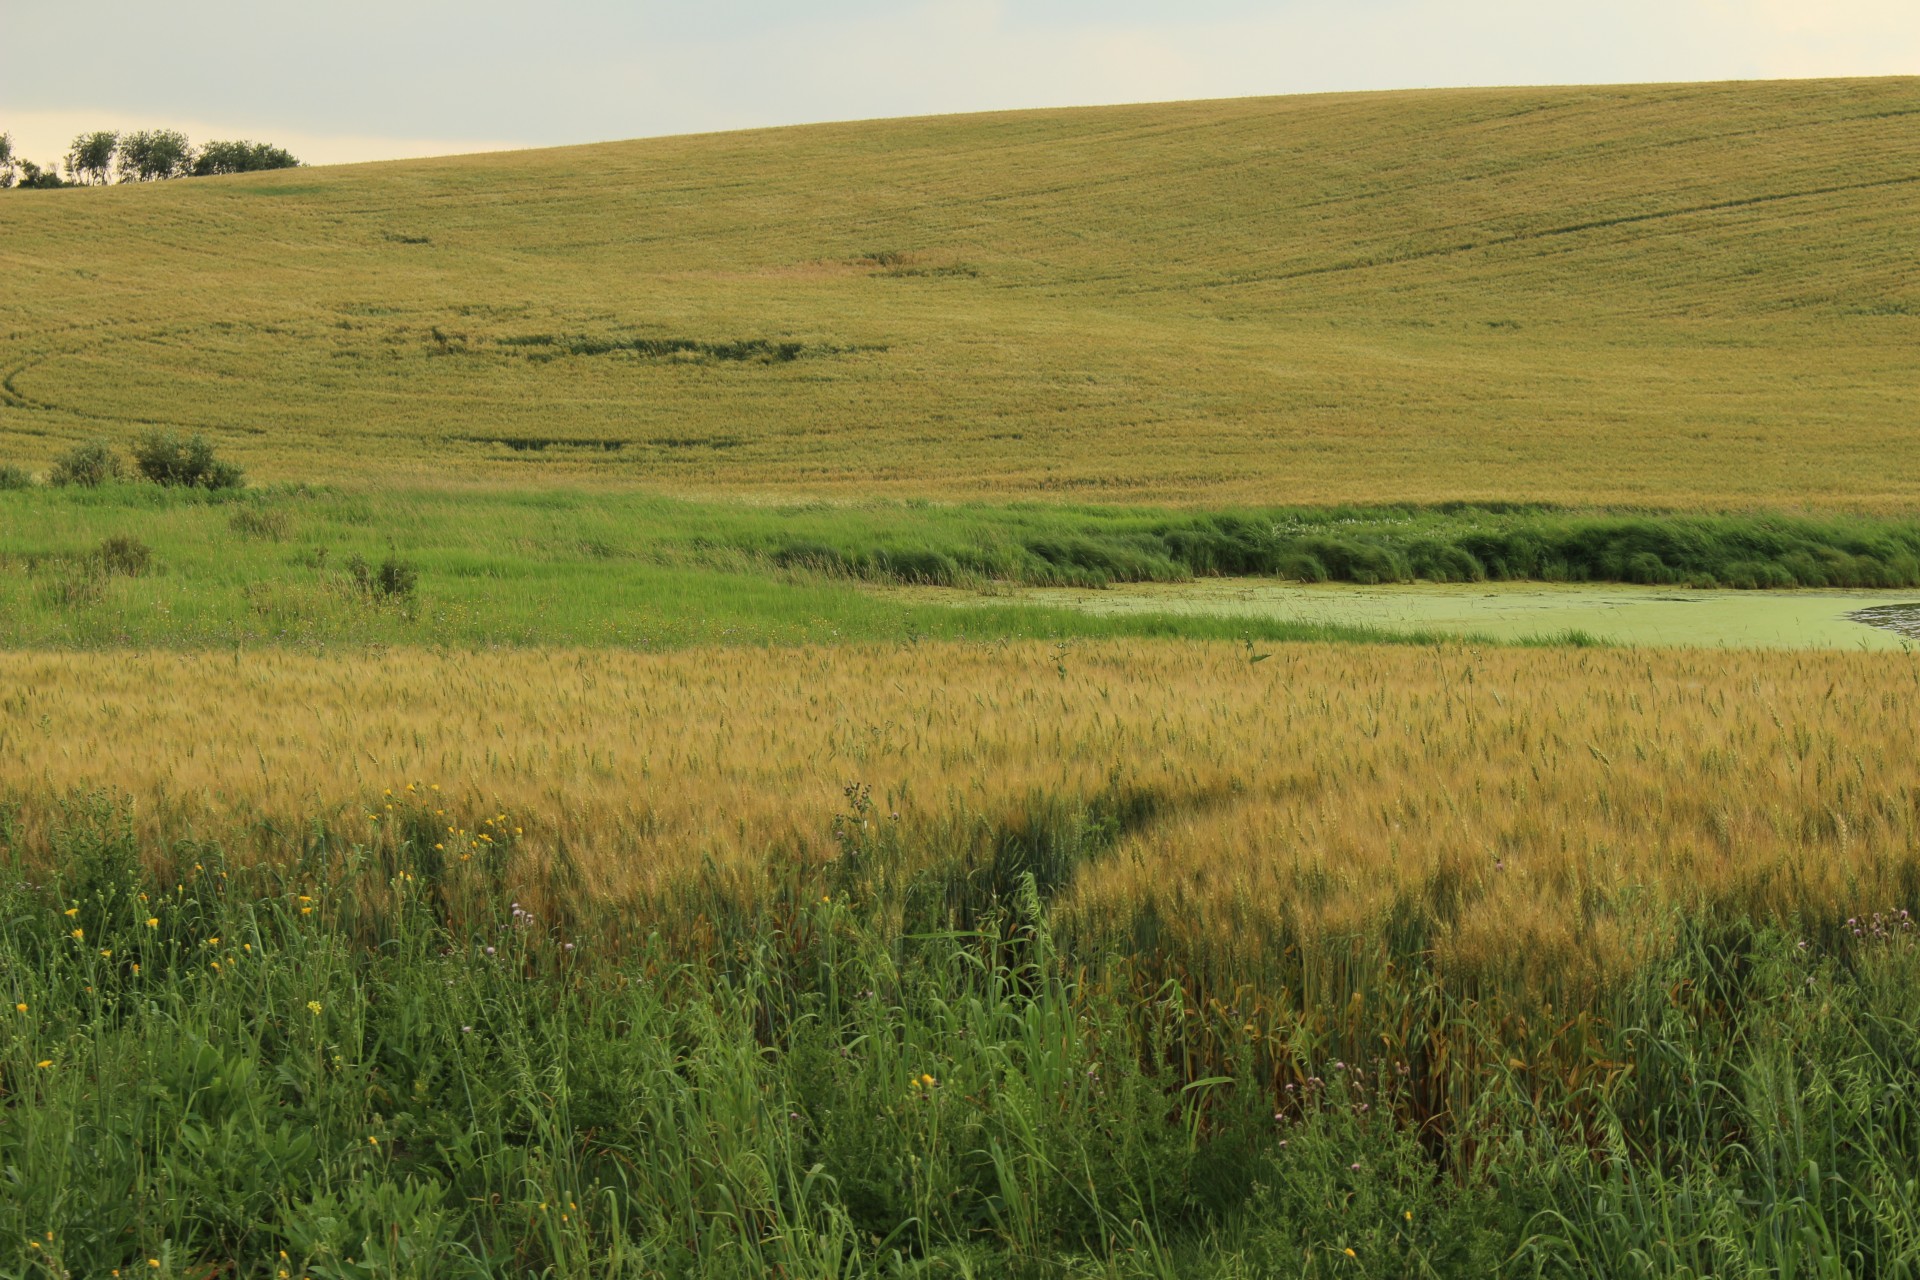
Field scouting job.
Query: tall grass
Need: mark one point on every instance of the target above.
(1452, 543)
(376, 1061)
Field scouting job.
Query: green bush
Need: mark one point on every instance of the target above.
(392, 579)
(166, 459)
(88, 465)
(12, 477)
(124, 555)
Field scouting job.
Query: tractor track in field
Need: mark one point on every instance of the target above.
(1549, 233)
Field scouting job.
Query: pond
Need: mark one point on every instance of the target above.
(1612, 613)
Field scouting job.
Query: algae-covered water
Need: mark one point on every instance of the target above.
(1613, 613)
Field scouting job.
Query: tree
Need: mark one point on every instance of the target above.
(148, 155)
(92, 156)
(241, 157)
(6, 160)
(32, 176)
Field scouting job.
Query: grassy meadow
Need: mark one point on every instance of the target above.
(1675, 296)
(137, 564)
(545, 824)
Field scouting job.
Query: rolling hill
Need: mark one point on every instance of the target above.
(1696, 296)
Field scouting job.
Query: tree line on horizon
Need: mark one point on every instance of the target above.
(101, 156)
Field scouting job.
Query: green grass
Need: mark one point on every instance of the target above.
(633, 570)
(1685, 296)
(373, 1063)
(546, 568)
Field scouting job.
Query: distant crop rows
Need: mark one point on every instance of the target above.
(1692, 297)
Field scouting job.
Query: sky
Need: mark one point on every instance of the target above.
(348, 80)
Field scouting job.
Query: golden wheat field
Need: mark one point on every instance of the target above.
(1695, 296)
(1555, 798)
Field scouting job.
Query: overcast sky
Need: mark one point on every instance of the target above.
(339, 80)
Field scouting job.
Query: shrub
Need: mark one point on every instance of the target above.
(124, 555)
(34, 178)
(166, 459)
(12, 477)
(89, 465)
(394, 579)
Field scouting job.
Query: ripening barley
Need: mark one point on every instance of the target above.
(1540, 805)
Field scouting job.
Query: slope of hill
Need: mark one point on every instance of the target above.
(1692, 296)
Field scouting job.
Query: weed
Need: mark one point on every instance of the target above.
(271, 523)
(124, 555)
(73, 581)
